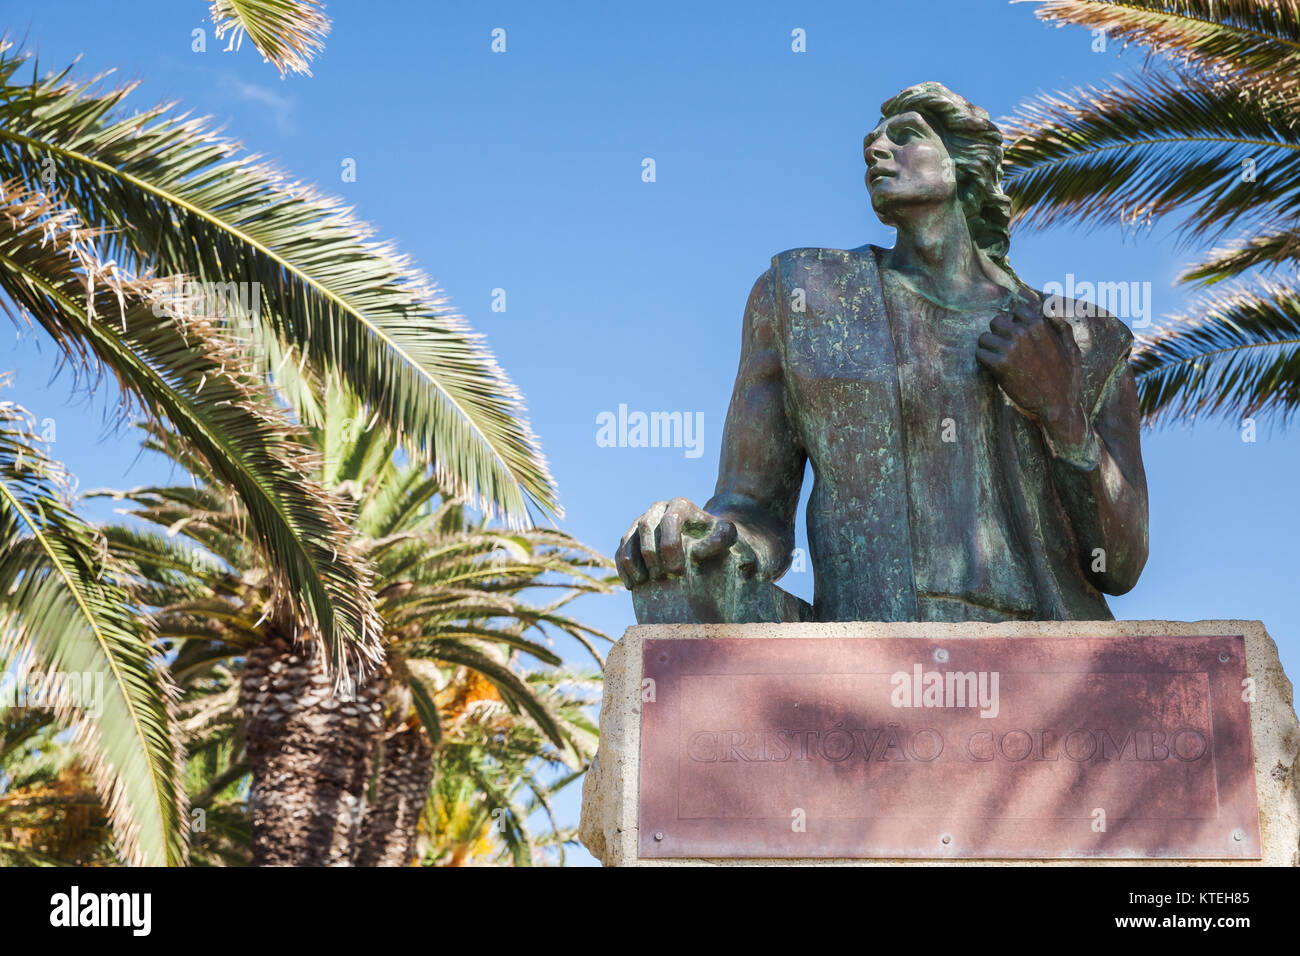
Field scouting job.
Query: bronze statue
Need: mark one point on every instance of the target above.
(974, 445)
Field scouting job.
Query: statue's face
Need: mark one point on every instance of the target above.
(908, 167)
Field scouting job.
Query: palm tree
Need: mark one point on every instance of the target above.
(1209, 132)
(483, 757)
(452, 593)
(109, 222)
(471, 797)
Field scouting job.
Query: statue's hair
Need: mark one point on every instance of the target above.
(975, 144)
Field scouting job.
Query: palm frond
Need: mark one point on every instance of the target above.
(405, 503)
(182, 201)
(61, 604)
(1137, 150)
(286, 32)
(1239, 355)
(189, 372)
(514, 690)
(1256, 42)
(212, 520)
(426, 709)
(164, 570)
(417, 647)
(1276, 247)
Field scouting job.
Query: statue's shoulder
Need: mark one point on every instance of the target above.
(1096, 331)
(868, 253)
(812, 261)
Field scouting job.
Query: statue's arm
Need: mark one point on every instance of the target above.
(762, 463)
(1103, 486)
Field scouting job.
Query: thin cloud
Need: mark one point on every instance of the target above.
(281, 107)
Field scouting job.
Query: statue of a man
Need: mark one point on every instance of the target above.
(974, 446)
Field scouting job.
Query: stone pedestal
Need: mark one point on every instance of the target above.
(1208, 809)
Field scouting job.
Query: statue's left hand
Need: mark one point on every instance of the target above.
(1037, 363)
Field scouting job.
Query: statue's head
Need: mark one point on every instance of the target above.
(933, 146)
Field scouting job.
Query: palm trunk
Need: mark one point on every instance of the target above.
(310, 754)
(388, 835)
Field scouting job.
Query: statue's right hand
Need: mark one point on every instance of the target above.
(671, 533)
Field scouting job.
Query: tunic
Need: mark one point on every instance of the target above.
(966, 562)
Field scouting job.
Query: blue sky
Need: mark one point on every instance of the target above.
(522, 171)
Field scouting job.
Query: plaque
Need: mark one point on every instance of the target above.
(972, 748)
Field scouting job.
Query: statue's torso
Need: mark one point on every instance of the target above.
(902, 525)
(966, 559)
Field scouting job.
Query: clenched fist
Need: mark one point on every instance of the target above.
(673, 532)
(1037, 363)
